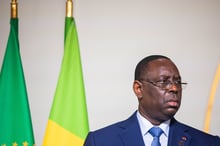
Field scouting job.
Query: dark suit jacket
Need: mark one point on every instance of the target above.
(128, 133)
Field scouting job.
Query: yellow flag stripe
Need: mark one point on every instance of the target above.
(58, 136)
(211, 100)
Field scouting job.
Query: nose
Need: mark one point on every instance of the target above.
(174, 87)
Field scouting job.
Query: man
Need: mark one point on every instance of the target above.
(158, 87)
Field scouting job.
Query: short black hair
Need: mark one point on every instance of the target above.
(141, 66)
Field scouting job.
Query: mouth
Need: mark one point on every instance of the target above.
(173, 104)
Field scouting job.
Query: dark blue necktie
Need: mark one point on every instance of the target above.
(156, 132)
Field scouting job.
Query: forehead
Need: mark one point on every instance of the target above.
(162, 67)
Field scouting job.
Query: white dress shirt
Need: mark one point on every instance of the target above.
(145, 126)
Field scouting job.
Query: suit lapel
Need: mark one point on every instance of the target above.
(131, 133)
(178, 135)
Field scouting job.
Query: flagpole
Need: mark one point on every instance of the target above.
(69, 8)
(14, 9)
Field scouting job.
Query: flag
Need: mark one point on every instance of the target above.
(68, 120)
(212, 100)
(15, 124)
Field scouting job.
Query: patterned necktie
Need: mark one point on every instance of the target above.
(156, 132)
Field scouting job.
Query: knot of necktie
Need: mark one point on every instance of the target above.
(155, 132)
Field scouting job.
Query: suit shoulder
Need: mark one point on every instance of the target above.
(108, 136)
(107, 129)
(115, 128)
(199, 134)
(195, 130)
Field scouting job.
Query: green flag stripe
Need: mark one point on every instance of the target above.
(15, 123)
(69, 106)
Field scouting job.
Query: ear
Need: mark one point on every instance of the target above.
(138, 88)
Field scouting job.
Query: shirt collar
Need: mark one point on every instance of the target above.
(145, 125)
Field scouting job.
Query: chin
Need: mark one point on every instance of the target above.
(170, 114)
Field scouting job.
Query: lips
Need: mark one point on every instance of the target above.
(173, 103)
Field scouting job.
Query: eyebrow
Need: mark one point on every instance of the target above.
(168, 77)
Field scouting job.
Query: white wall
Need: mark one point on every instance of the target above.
(114, 35)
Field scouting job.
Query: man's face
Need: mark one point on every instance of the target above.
(159, 104)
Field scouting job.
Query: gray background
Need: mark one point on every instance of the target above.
(114, 35)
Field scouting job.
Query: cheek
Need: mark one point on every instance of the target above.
(158, 100)
(158, 96)
(154, 98)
